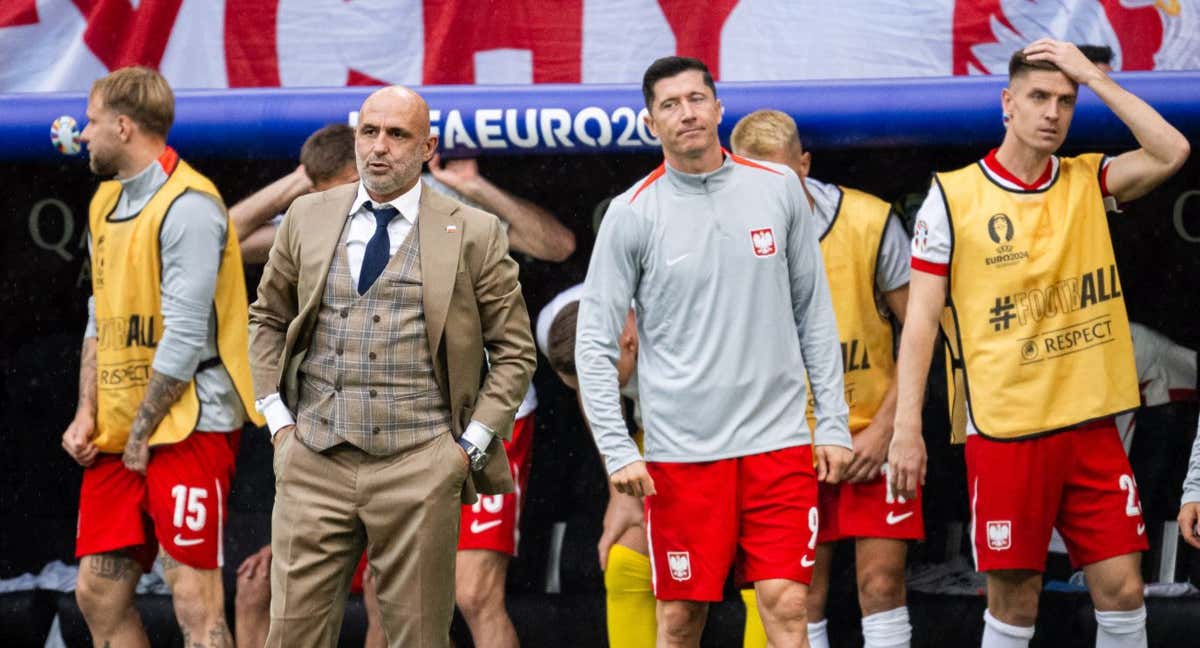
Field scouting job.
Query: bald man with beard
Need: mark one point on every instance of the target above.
(375, 309)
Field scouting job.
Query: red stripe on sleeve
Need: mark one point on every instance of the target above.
(939, 269)
(1104, 179)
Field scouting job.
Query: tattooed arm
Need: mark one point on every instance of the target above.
(77, 440)
(191, 240)
(161, 394)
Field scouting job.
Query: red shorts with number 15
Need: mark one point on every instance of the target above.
(180, 503)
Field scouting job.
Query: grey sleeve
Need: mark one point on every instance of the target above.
(1191, 483)
(812, 310)
(895, 256)
(89, 331)
(191, 241)
(612, 281)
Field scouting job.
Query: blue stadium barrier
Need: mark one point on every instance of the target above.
(574, 119)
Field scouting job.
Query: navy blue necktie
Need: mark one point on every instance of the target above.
(379, 248)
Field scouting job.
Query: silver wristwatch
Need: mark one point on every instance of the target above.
(477, 458)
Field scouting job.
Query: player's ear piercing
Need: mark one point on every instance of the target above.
(1007, 118)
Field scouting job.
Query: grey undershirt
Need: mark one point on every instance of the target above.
(191, 241)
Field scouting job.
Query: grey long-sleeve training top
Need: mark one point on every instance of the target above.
(1191, 484)
(191, 241)
(733, 308)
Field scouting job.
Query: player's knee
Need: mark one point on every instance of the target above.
(789, 603)
(191, 599)
(680, 620)
(1018, 608)
(99, 603)
(1123, 594)
(479, 600)
(880, 590)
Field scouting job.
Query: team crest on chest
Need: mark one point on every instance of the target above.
(681, 565)
(764, 242)
(999, 535)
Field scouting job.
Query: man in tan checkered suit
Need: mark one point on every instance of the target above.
(368, 342)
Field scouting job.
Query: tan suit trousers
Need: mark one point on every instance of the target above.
(404, 509)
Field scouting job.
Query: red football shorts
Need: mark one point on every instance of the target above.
(1076, 480)
(181, 502)
(868, 510)
(492, 522)
(356, 581)
(758, 512)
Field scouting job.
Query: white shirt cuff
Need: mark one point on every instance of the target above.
(478, 435)
(277, 413)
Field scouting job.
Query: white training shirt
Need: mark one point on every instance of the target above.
(894, 259)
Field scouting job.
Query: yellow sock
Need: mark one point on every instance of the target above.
(755, 636)
(630, 599)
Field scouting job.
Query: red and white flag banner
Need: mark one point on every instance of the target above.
(62, 45)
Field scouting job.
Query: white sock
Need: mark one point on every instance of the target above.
(1121, 629)
(998, 634)
(889, 629)
(816, 634)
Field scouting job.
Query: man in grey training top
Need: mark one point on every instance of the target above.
(720, 258)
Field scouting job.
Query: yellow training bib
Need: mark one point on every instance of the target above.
(1036, 325)
(126, 283)
(850, 248)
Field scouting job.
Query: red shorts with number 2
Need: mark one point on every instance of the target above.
(1076, 480)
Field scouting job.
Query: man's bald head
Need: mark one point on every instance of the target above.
(399, 100)
(392, 141)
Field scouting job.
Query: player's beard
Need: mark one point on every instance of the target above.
(101, 166)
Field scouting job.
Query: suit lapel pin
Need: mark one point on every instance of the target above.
(450, 229)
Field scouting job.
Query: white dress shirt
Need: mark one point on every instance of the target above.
(361, 229)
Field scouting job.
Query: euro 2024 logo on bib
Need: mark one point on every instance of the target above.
(764, 242)
(680, 563)
(1000, 230)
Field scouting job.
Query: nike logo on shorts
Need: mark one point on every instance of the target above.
(671, 262)
(1141, 529)
(180, 541)
(476, 527)
(806, 562)
(893, 519)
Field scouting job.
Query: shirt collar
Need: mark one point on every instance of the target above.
(148, 180)
(700, 182)
(1008, 179)
(407, 203)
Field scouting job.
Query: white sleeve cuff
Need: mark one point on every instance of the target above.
(477, 434)
(277, 413)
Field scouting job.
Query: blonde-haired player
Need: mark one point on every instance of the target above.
(866, 256)
(164, 380)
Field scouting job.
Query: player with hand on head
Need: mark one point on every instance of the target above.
(865, 249)
(1041, 383)
(721, 259)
